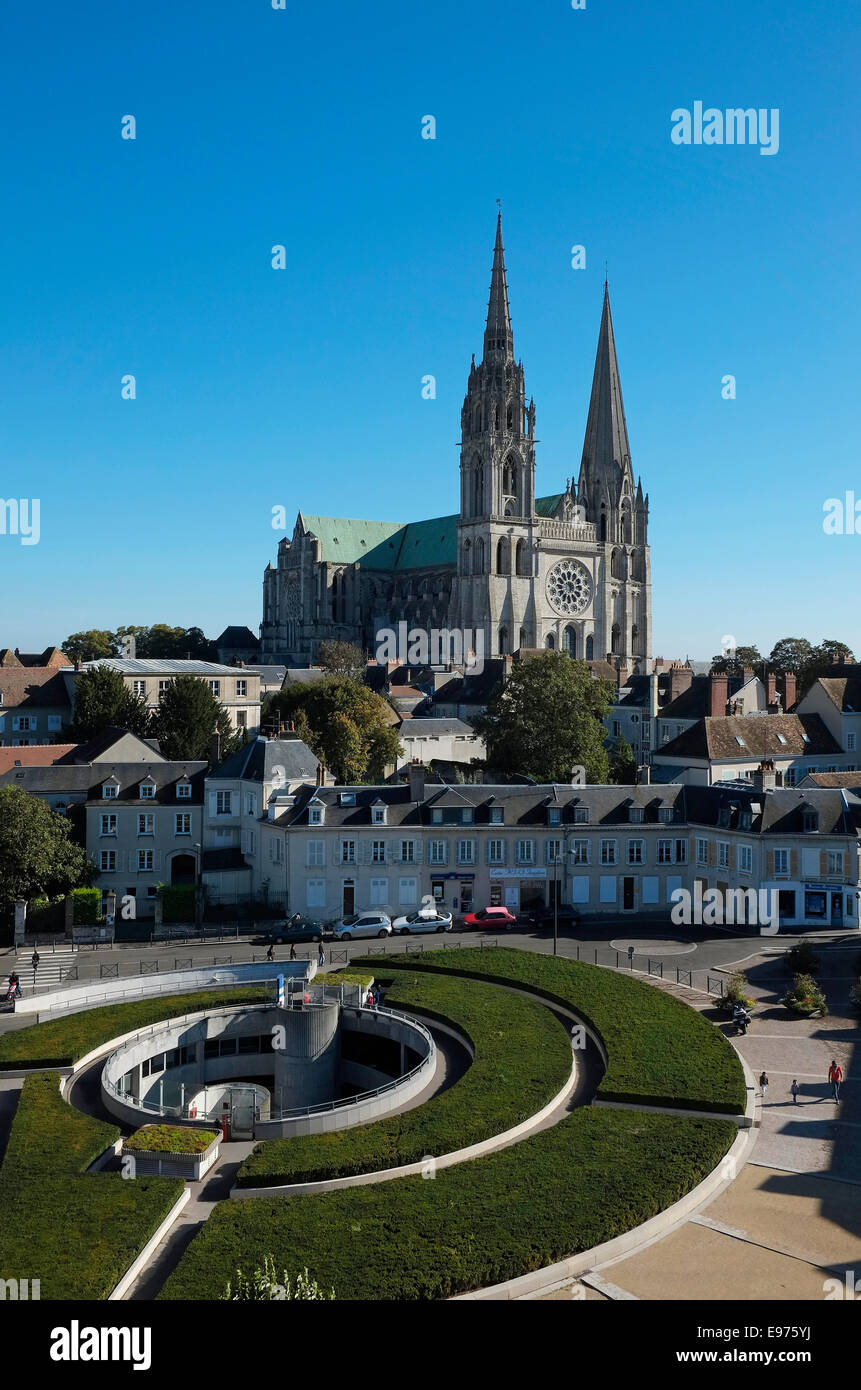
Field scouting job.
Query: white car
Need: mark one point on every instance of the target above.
(362, 924)
(425, 920)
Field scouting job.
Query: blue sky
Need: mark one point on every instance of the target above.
(302, 387)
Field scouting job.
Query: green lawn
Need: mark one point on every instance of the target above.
(661, 1051)
(522, 1059)
(76, 1232)
(595, 1175)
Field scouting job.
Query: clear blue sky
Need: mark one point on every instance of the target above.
(257, 388)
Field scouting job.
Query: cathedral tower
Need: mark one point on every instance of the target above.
(494, 588)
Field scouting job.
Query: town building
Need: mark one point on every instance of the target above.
(237, 689)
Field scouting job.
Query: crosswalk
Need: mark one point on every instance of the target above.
(53, 966)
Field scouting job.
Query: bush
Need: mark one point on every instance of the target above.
(596, 1174)
(86, 907)
(801, 959)
(735, 992)
(177, 903)
(805, 997)
(59, 1042)
(76, 1232)
(660, 1050)
(522, 1058)
(263, 1286)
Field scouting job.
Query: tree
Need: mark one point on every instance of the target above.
(623, 765)
(828, 653)
(37, 853)
(342, 659)
(344, 723)
(174, 643)
(186, 720)
(102, 701)
(733, 663)
(95, 645)
(790, 654)
(547, 719)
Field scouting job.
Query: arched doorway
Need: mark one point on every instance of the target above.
(183, 869)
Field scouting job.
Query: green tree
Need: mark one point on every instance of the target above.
(790, 654)
(623, 764)
(95, 645)
(37, 853)
(344, 723)
(733, 665)
(174, 643)
(548, 719)
(826, 653)
(342, 659)
(186, 720)
(102, 701)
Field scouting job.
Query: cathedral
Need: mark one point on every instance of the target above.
(570, 571)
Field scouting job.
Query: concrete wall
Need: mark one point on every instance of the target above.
(99, 992)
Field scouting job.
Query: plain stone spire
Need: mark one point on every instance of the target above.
(606, 452)
(498, 336)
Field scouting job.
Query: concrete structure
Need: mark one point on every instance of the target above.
(508, 571)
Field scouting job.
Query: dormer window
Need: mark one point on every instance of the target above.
(581, 815)
(745, 820)
(723, 816)
(379, 815)
(147, 791)
(110, 791)
(497, 815)
(183, 791)
(810, 821)
(347, 798)
(466, 815)
(554, 815)
(635, 815)
(665, 815)
(315, 815)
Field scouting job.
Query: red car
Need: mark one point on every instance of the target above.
(496, 918)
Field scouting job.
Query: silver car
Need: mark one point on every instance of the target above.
(425, 920)
(362, 924)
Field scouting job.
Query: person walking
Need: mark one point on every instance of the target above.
(34, 960)
(292, 950)
(321, 959)
(270, 954)
(16, 983)
(794, 1088)
(835, 1076)
(763, 1083)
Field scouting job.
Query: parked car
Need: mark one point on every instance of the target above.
(362, 924)
(566, 916)
(425, 920)
(496, 918)
(296, 929)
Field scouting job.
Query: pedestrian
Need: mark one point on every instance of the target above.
(270, 954)
(794, 1088)
(13, 980)
(292, 950)
(763, 1083)
(321, 959)
(34, 960)
(835, 1076)
(377, 998)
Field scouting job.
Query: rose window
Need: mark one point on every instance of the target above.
(569, 587)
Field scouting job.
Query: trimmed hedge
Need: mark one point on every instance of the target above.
(86, 907)
(74, 1231)
(59, 1042)
(522, 1059)
(660, 1051)
(582, 1182)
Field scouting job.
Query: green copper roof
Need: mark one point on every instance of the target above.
(396, 545)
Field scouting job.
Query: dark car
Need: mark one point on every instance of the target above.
(296, 929)
(565, 916)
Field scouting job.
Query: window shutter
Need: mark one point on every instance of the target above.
(712, 854)
(731, 856)
(823, 863)
(769, 863)
(793, 863)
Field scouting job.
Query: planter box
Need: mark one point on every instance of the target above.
(151, 1162)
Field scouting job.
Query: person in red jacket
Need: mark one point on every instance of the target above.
(835, 1076)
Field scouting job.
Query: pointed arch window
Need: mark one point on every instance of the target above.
(479, 556)
(569, 641)
(590, 648)
(616, 639)
(520, 558)
(523, 638)
(603, 525)
(550, 641)
(503, 565)
(503, 641)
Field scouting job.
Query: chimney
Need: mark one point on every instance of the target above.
(770, 690)
(77, 661)
(644, 775)
(788, 689)
(417, 780)
(717, 696)
(653, 695)
(765, 778)
(747, 674)
(623, 674)
(680, 680)
(215, 749)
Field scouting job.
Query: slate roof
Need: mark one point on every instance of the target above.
(237, 637)
(435, 728)
(86, 781)
(257, 761)
(844, 692)
(156, 666)
(716, 739)
(94, 749)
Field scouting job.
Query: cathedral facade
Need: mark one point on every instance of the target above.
(570, 571)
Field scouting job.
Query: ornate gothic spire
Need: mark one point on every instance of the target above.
(498, 337)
